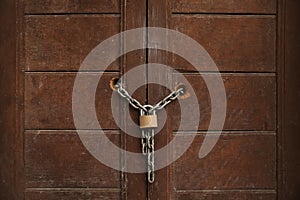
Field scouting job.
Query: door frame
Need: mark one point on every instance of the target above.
(288, 108)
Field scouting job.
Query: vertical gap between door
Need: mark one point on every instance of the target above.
(147, 50)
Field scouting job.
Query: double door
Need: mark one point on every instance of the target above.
(243, 39)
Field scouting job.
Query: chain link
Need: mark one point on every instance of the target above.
(151, 156)
(132, 101)
(168, 99)
(144, 142)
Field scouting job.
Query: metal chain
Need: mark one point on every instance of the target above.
(148, 145)
(160, 105)
(144, 142)
(132, 101)
(168, 99)
(151, 156)
(147, 139)
(145, 133)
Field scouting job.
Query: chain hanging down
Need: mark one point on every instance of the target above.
(148, 122)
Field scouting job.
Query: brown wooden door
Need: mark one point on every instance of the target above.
(241, 38)
(58, 35)
(252, 44)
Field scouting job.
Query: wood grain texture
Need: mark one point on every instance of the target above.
(62, 42)
(72, 6)
(48, 101)
(83, 194)
(10, 143)
(221, 6)
(228, 195)
(251, 101)
(289, 108)
(235, 43)
(237, 161)
(159, 13)
(59, 159)
(134, 16)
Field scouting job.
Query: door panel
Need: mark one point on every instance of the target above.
(240, 160)
(221, 6)
(235, 42)
(83, 194)
(61, 42)
(48, 101)
(72, 6)
(58, 36)
(220, 195)
(251, 101)
(240, 36)
(57, 159)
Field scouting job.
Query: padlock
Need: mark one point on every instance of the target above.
(148, 121)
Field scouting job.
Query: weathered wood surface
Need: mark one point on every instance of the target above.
(251, 101)
(220, 195)
(84, 194)
(10, 115)
(159, 12)
(58, 159)
(235, 42)
(48, 101)
(72, 6)
(134, 16)
(62, 42)
(238, 161)
(289, 98)
(221, 6)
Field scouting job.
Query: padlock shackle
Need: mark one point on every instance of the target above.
(148, 108)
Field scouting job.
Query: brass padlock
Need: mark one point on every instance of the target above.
(148, 121)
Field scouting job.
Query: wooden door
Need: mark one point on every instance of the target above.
(253, 43)
(58, 35)
(241, 38)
